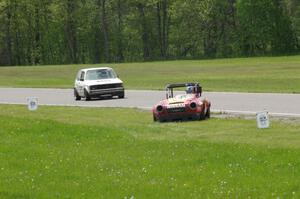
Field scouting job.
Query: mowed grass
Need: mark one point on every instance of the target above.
(265, 74)
(60, 152)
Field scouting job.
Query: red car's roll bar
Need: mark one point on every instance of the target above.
(170, 87)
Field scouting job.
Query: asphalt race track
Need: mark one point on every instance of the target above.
(235, 103)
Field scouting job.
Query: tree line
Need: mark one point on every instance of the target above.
(36, 32)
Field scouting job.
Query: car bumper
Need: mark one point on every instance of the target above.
(178, 116)
(109, 91)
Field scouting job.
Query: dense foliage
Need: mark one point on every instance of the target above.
(94, 31)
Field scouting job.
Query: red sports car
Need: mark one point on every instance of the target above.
(189, 105)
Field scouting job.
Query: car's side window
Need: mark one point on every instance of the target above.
(78, 76)
(82, 76)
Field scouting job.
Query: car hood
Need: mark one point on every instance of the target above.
(175, 101)
(103, 81)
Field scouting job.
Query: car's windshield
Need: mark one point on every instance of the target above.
(100, 74)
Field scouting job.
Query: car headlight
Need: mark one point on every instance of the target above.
(193, 105)
(159, 108)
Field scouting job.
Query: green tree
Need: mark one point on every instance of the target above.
(264, 28)
(34, 32)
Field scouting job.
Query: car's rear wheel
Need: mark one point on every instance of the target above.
(76, 95)
(86, 95)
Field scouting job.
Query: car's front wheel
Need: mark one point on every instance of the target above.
(154, 118)
(76, 95)
(121, 95)
(86, 95)
(208, 113)
(202, 115)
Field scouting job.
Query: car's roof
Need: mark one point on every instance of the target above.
(99, 68)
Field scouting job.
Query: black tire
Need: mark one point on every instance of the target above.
(86, 95)
(202, 115)
(121, 95)
(208, 113)
(154, 118)
(76, 95)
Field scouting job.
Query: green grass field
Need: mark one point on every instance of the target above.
(60, 152)
(277, 74)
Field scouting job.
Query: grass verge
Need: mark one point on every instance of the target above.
(276, 74)
(64, 152)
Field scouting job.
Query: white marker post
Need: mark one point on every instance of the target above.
(32, 103)
(262, 119)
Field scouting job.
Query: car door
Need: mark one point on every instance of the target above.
(79, 84)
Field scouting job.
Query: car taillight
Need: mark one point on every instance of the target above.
(193, 105)
(159, 108)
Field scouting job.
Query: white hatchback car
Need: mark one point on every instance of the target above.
(97, 82)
